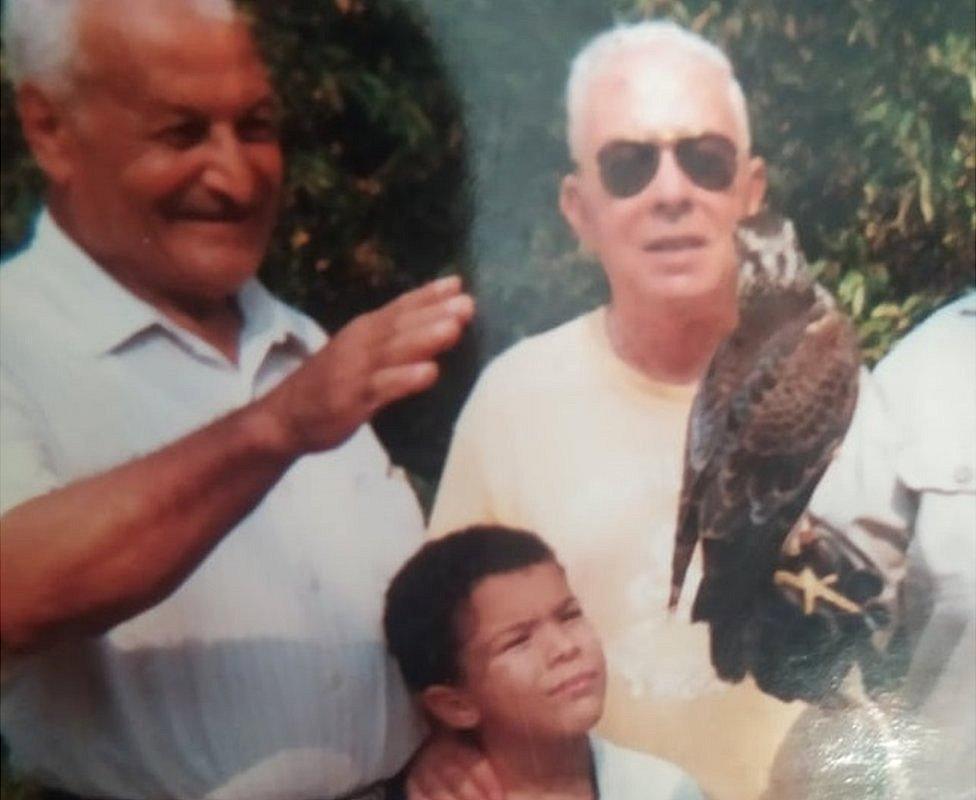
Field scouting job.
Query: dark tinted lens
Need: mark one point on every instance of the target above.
(708, 160)
(627, 167)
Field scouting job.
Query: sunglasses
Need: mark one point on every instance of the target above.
(708, 160)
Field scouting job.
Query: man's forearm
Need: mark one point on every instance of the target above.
(82, 558)
(85, 557)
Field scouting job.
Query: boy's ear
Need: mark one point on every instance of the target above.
(451, 706)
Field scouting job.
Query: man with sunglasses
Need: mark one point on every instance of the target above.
(578, 433)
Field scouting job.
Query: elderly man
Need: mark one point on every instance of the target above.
(578, 433)
(198, 527)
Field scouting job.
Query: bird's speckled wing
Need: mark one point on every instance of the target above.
(783, 425)
(774, 403)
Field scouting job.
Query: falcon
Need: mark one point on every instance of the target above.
(773, 407)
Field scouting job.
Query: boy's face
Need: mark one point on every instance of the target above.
(531, 662)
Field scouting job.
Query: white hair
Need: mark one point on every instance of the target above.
(40, 37)
(605, 48)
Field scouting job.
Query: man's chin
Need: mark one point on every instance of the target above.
(683, 276)
(218, 272)
(681, 286)
(233, 234)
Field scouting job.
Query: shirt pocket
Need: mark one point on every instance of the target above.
(942, 475)
(945, 467)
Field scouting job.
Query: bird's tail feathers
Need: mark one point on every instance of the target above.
(729, 647)
(685, 540)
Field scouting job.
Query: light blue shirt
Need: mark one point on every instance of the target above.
(623, 774)
(928, 383)
(264, 675)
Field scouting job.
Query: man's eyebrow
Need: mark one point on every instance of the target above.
(569, 601)
(269, 102)
(522, 626)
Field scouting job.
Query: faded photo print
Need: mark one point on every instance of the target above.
(488, 400)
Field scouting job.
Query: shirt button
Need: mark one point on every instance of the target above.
(963, 474)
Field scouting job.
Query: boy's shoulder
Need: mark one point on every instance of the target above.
(623, 774)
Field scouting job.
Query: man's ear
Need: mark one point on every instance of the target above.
(755, 185)
(575, 212)
(451, 706)
(44, 121)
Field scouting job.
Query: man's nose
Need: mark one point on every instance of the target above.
(228, 170)
(670, 192)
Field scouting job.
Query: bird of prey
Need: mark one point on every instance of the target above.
(773, 407)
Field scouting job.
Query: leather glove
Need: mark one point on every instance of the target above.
(816, 617)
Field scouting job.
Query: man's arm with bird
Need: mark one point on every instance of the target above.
(768, 421)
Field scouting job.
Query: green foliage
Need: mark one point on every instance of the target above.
(426, 136)
(865, 113)
(375, 142)
(862, 109)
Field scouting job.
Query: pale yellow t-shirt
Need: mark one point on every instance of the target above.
(563, 438)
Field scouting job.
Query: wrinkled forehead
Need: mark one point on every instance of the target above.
(166, 44)
(520, 595)
(643, 96)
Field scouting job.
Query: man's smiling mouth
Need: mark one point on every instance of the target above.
(225, 216)
(674, 243)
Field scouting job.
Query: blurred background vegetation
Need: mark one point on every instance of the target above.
(426, 136)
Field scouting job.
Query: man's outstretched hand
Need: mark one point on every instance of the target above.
(448, 769)
(379, 357)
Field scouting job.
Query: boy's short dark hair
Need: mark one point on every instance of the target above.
(425, 596)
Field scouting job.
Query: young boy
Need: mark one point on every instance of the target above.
(491, 639)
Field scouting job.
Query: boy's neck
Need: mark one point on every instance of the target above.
(535, 767)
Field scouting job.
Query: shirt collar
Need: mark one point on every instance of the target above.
(107, 315)
(269, 322)
(966, 305)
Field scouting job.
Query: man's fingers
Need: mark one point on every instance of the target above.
(423, 789)
(422, 343)
(377, 358)
(394, 383)
(433, 292)
(486, 781)
(398, 334)
(451, 783)
(427, 790)
(459, 307)
(390, 336)
(448, 769)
